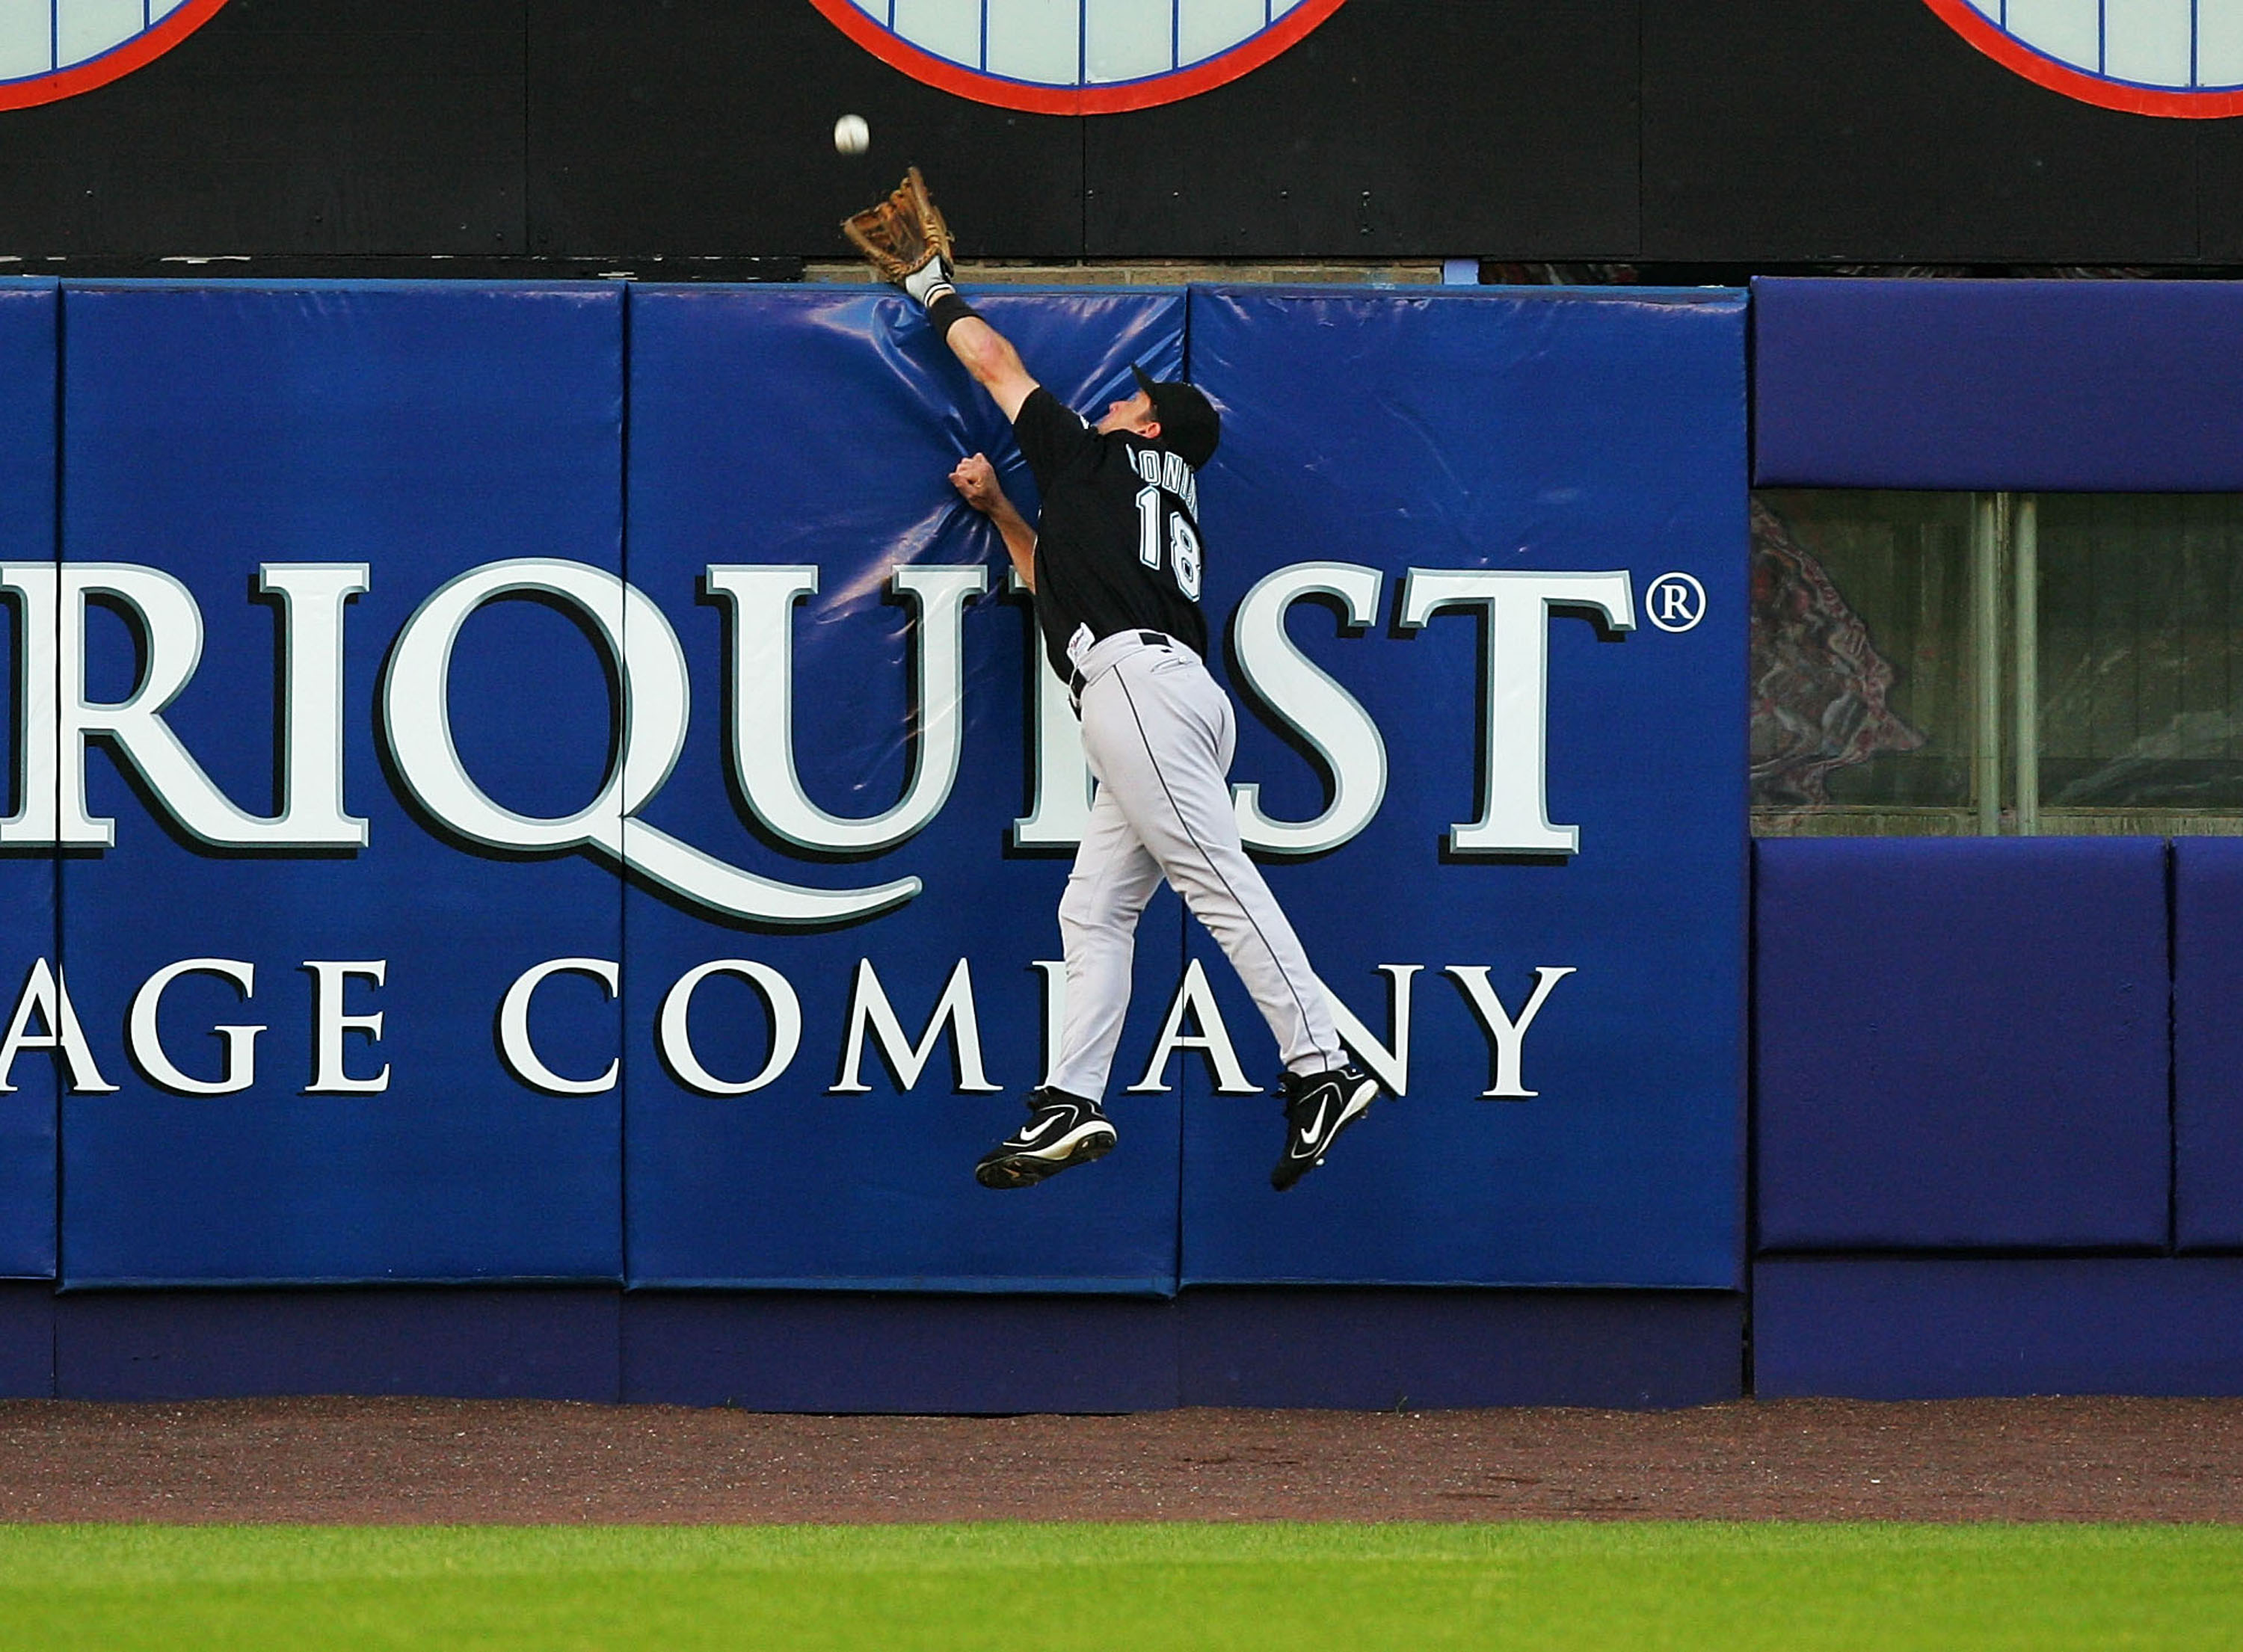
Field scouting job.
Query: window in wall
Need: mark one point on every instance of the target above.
(2141, 659)
(1997, 662)
(1860, 681)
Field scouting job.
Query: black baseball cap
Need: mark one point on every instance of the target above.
(1189, 421)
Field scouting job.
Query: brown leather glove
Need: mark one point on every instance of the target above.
(903, 235)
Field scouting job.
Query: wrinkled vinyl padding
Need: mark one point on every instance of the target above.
(1961, 1043)
(682, 436)
(818, 427)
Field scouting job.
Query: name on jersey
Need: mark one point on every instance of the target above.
(1165, 471)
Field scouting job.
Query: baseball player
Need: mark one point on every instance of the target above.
(1115, 565)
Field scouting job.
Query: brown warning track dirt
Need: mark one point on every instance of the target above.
(389, 1461)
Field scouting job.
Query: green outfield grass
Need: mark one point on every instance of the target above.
(1125, 1588)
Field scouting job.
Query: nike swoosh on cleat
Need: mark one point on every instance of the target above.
(1311, 1133)
(1028, 1135)
(1067, 1143)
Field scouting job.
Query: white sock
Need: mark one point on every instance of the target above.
(929, 282)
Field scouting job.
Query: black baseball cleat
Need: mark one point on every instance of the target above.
(1062, 1131)
(1318, 1105)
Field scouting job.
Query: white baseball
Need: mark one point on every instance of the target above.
(851, 136)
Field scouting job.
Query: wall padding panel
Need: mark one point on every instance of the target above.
(29, 312)
(2208, 1043)
(399, 438)
(1961, 1043)
(806, 436)
(467, 1344)
(2111, 386)
(1926, 1328)
(1520, 448)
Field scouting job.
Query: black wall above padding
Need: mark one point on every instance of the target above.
(1682, 133)
(286, 126)
(1868, 129)
(1419, 128)
(2220, 189)
(706, 126)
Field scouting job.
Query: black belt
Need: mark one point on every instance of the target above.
(1075, 682)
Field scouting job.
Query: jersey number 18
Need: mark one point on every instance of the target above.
(1183, 542)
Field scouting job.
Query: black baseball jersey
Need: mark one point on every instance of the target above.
(1118, 546)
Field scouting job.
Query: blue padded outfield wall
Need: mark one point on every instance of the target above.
(1910, 1093)
(539, 798)
(805, 439)
(2208, 1044)
(28, 321)
(236, 461)
(1999, 1128)
(532, 806)
(2081, 386)
(1421, 454)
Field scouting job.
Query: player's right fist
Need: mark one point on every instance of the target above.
(975, 479)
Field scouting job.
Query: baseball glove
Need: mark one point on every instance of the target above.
(903, 234)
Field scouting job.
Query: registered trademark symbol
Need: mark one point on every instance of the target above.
(1674, 602)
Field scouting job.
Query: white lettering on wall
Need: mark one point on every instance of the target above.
(1330, 719)
(1196, 999)
(314, 597)
(1053, 971)
(760, 602)
(331, 1023)
(1514, 810)
(45, 1019)
(145, 1044)
(1390, 1064)
(656, 694)
(515, 1045)
(45, 999)
(673, 1038)
(1508, 1037)
(57, 719)
(870, 1011)
(1058, 810)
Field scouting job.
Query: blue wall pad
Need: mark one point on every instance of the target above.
(1961, 1043)
(844, 1352)
(27, 1341)
(1926, 1328)
(1373, 1350)
(814, 430)
(1428, 565)
(2207, 1042)
(246, 454)
(2082, 385)
(466, 1344)
(28, 323)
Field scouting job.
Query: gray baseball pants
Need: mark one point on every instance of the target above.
(1159, 734)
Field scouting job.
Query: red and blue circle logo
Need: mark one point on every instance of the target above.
(2175, 57)
(1076, 56)
(58, 49)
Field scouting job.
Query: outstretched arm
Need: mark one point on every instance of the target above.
(975, 479)
(989, 356)
(906, 239)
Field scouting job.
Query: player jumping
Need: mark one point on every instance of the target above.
(1115, 565)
